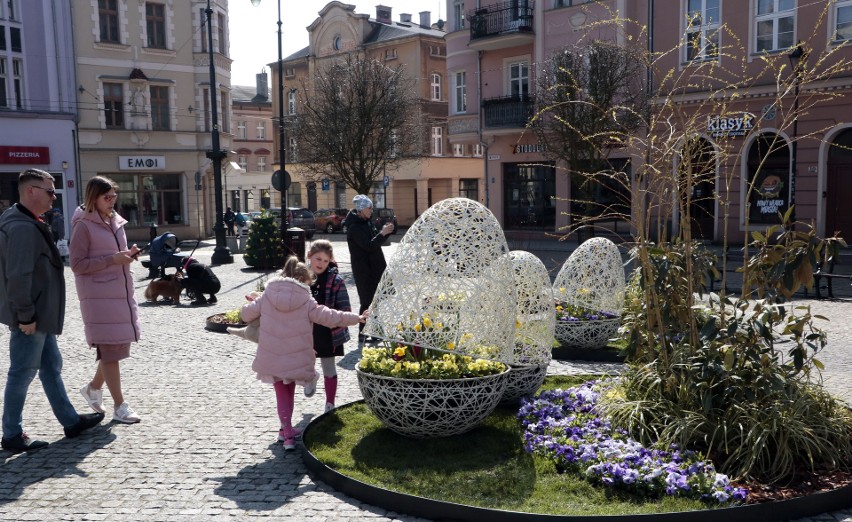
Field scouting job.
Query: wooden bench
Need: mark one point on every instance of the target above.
(828, 275)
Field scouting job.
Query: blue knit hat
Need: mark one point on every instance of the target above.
(361, 202)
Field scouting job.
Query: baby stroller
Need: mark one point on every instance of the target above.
(163, 254)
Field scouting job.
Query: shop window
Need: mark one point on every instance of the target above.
(768, 182)
(145, 199)
(529, 195)
(469, 188)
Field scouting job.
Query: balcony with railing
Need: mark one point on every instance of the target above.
(500, 26)
(508, 112)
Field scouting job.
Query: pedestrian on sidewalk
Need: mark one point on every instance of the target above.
(32, 286)
(365, 251)
(328, 289)
(101, 262)
(229, 219)
(285, 354)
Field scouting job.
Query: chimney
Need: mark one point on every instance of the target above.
(425, 19)
(383, 14)
(404, 18)
(262, 87)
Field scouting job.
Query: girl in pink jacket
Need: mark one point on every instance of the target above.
(285, 349)
(101, 261)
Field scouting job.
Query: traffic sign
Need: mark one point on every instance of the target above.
(326, 184)
(387, 180)
(276, 180)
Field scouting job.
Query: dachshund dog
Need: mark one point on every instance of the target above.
(168, 286)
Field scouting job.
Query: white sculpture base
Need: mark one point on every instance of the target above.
(586, 334)
(424, 408)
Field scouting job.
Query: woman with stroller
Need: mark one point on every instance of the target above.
(101, 261)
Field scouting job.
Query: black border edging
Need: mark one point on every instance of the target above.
(801, 507)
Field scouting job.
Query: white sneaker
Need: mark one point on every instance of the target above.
(328, 407)
(125, 414)
(311, 387)
(95, 398)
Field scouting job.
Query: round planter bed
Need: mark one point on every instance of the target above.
(437, 509)
(216, 323)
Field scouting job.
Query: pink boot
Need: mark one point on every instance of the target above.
(284, 394)
(330, 392)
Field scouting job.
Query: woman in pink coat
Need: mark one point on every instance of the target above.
(285, 350)
(101, 261)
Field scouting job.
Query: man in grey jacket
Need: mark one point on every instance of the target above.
(32, 304)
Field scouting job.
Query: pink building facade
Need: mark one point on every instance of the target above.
(495, 53)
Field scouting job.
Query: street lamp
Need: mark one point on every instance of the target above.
(221, 254)
(795, 57)
(283, 178)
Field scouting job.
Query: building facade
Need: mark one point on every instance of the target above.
(791, 147)
(145, 115)
(251, 189)
(444, 170)
(38, 100)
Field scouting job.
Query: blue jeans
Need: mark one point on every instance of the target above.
(28, 354)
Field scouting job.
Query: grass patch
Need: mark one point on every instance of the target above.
(486, 467)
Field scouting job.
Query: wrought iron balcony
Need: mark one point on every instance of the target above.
(508, 111)
(498, 19)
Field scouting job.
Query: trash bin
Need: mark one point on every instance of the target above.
(296, 242)
(233, 245)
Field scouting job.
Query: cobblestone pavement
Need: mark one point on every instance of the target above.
(205, 449)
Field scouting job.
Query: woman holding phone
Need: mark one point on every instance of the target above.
(100, 260)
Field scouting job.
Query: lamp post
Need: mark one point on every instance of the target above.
(221, 254)
(795, 57)
(283, 178)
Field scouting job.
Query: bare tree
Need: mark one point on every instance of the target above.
(591, 99)
(358, 120)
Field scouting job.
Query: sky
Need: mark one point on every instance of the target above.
(254, 30)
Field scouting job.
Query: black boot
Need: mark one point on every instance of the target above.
(22, 443)
(87, 420)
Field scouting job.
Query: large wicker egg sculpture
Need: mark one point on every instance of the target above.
(589, 295)
(449, 286)
(534, 319)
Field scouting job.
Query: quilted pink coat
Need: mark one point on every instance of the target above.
(287, 311)
(105, 290)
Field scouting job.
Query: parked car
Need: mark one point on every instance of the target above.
(382, 216)
(297, 217)
(330, 219)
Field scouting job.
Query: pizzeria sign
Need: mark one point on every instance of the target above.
(729, 126)
(24, 155)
